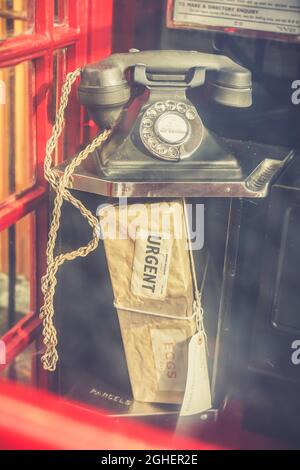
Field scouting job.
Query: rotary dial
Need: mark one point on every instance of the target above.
(165, 127)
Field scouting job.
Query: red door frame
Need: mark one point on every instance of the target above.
(87, 34)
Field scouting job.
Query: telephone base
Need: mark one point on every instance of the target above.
(124, 157)
(260, 164)
(218, 166)
(159, 172)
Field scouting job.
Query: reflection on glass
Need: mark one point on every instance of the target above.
(16, 266)
(16, 152)
(59, 73)
(16, 17)
(20, 369)
(60, 9)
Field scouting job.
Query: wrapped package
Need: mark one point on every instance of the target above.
(150, 269)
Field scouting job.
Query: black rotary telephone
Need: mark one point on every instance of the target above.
(161, 132)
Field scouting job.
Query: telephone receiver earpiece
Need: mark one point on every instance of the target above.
(104, 89)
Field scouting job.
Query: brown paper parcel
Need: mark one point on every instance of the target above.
(150, 270)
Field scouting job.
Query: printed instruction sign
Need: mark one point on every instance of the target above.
(274, 16)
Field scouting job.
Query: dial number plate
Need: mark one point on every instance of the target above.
(166, 127)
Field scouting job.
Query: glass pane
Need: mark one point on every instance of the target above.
(59, 74)
(16, 268)
(20, 368)
(60, 11)
(16, 146)
(16, 17)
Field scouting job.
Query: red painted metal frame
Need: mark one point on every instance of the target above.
(86, 33)
(16, 207)
(38, 420)
(18, 337)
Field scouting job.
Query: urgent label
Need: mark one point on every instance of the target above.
(152, 256)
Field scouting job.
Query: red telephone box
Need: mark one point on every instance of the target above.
(41, 41)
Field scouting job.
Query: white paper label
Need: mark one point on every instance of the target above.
(170, 351)
(197, 396)
(152, 256)
(260, 15)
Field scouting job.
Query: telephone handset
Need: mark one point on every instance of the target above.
(163, 132)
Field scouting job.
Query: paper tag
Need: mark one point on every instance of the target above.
(169, 350)
(152, 256)
(197, 396)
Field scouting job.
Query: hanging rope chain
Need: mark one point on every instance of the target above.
(59, 185)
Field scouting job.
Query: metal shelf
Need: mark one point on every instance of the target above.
(261, 164)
